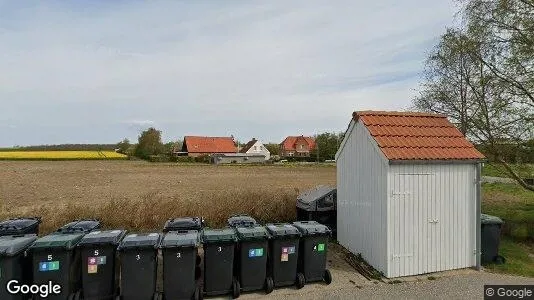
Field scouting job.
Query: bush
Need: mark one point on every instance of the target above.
(159, 158)
(203, 159)
(183, 159)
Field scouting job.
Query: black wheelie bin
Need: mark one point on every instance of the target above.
(139, 264)
(283, 255)
(185, 223)
(313, 250)
(80, 226)
(253, 245)
(219, 248)
(241, 220)
(55, 259)
(100, 270)
(18, 226)
(15, 264)
(180, 249)
(490, 239)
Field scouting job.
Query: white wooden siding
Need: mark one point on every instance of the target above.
(432, 218)
(362, 196)
(260, 149)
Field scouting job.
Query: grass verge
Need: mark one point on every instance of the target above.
(518, 259)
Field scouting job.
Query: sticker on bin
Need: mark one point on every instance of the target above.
(255, 252)
(319, 248)
(46, 266)
(93, 262)
(286, 251)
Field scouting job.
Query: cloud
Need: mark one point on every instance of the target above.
(249, 68)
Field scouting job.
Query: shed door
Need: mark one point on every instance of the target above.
(416, 224)
(432, 219)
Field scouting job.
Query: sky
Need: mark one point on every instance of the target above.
(101, 71)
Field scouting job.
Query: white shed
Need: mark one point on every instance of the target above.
(408, 193)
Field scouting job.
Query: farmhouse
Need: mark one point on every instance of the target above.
(237, 158)
(408, 188)
(297, 146)
(257, 148)
(205, 145)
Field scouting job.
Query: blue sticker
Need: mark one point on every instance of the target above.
(43, 266)
(251, 252)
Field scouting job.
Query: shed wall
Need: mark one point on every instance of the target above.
(362, 173)
(432, 223)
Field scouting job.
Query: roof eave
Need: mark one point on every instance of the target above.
(436, 161)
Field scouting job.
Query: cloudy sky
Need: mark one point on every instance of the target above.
(99, 71)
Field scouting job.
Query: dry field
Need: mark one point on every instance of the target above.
(141, 196)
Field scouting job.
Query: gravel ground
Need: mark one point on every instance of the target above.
(464, 286)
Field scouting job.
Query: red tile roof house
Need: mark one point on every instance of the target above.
(205, 145)
(408, 193)
(300, 146)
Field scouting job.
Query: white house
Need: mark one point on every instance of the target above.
(256, 147)
(408, 193)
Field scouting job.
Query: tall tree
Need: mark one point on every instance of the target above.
(466, 78)
(123, 146)
(149, 143)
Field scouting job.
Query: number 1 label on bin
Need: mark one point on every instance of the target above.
(255, 252)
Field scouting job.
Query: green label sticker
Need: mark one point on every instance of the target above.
(259, 252)
(320, 247)
(53, 265)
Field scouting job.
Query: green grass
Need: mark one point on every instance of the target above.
(518, 260)
(508, 201)
(496, 170)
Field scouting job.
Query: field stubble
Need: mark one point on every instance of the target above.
(141, 196)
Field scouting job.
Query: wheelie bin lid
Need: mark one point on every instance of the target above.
(252, 233)
(185, 223)
(16, 225)
(308, 228)
(64, 241)
(140, 240)
(104, 237)
(215, 236)
(282, 230)
(12, 245)
(183, 238)
(488, 219)
(84, 226)
(241, 220)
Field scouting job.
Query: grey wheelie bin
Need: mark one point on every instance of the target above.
(313, 249)
(241, 220)
(251, 260)
(15, 264)
(283, 255)
(18, 226)
(80, 226)
(139, 263)
(98, 250)
(180, 249)
(55, 259)
(185, 223)
(219, 247)
(490, 239)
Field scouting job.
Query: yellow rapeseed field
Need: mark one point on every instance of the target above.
(59, 155)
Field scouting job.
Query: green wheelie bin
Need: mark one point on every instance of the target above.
(313, 249)
(284, 255)
(251, 262)
(15, 264)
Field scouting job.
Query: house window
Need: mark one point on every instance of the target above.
(290, 153)
(301, 147)
(255, 148)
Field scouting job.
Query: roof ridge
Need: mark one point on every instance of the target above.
(396, 114)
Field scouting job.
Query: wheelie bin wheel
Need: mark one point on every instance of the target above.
(157, 296)
(269, 285)
(327, 276)
(499, 260)
(236, 289)
(118, 298)
(196, 295)
(78, 295)
(301, 280)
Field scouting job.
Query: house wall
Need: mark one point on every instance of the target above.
(362, 173)
(260, 149)
(432, 218)
(238, 159)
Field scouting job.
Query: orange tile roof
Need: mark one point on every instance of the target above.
(206, 144)
(417, 136)
(289, 143)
